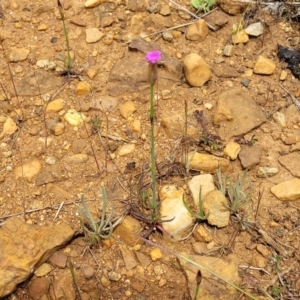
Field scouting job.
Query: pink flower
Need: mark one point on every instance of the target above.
(153, 56)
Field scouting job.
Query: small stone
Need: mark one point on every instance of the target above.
(206, 162)
(92, 3)
(248, 73)
(265, 172)
(58, 259)
(28, 170)
(104, 103)
(245, 82)
(228, 50)
(287, 190)
(9, 127)
(291, 162)
(93, 35)
(196, 70)
(43, 270)
(173, 209)
(74, 118)
(92, 72)
(42, 27)
(250, 156)
(259, 261)
(197, 31)
(255, 29)
(165, 10)
(135, 126)
(208, 106)
(18, 54)
(155, 254)
(128, 257)
(104, 281)
(263, 250)
(202, 235)
(166, 94)
(205, 182)
(232, 150)
(57, 129)
(79, 158)
(38, 287)
(264, 66)
(127, 109)
(215, 207)
(126, 149)
(283, 75)
(240, 37)
(83, 88)
(76, 20)
(88, 272)
(114, 276)
(162, 282)
(279, 118)
(62, 287)
(167, 36)
(50, 160)
(139, 285)
(55, 105)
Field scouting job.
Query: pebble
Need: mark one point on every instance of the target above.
(88, 272)
(155, 254)
(201, 234)
(92, 72)
(279, 118)
(28, 170)
(126, 149)
(232, 149)
(228, 50)
(55, 105)
(167, 36)
(57, 129)
(197, 31)
(215, 207)
(250, 156)
(283, 75)
(240, 37)
(255, 29)
(127, 109)
(18, 54)
(92, 3)
(287, 190)
(42, 27)
(58, 259)
(245, 82)
(74, 118)
(208, 106)
(104, 281)
(76, 20)
(265, 172)
(165, 10)
(114, 276)
(93, 35)
(264, 66)
(79, 158)
(43, 270)
(50, 160)
(196, 70)
(83, 88)
(9, 127)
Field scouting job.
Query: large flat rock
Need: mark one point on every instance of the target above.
(25, 247)
(237, 114)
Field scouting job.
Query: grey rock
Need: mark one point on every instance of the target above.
(228, 50)
(245, 82)
(255, 29)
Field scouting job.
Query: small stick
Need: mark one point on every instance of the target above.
(192, 14)
(254, 268)
(295, 100)
(58, 211)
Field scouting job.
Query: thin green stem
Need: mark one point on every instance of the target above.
(153, 167)
(67, 42)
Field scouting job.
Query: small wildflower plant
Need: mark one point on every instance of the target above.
(153, 57)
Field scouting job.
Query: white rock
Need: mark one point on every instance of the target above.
(92, 3)
(279, 118)
(208, 106)
(74, 118)
(206, 182)
(255, 29)
(172, 207)
(264, 172)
